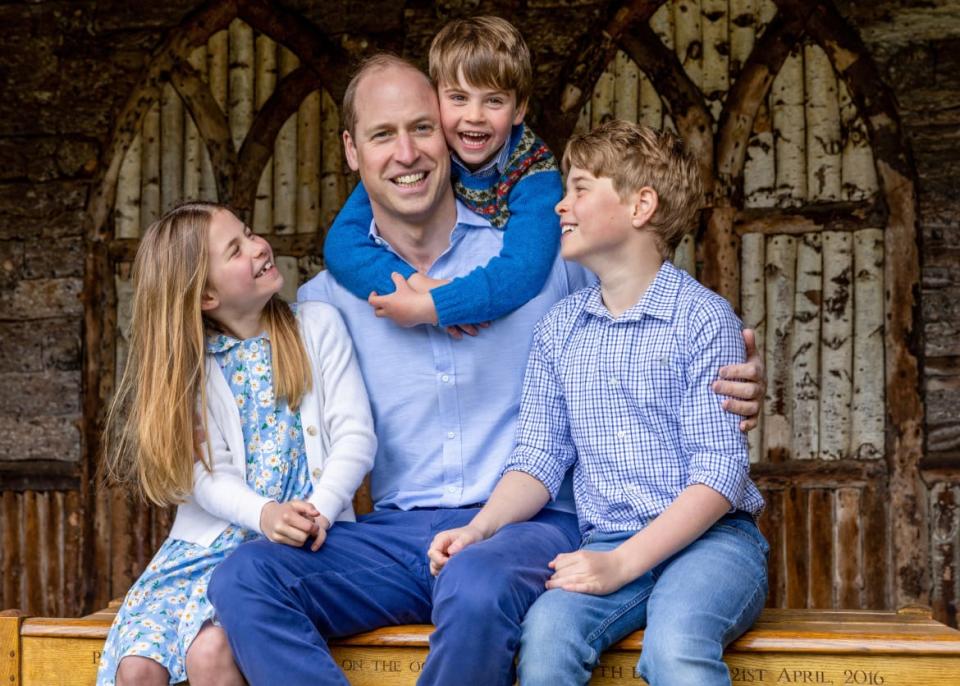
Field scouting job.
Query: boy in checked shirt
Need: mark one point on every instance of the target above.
(618, 387)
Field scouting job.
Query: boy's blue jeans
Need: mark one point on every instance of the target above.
(692, 606)
(279, 604)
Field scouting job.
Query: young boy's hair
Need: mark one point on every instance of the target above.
(488, 51)
(634, 156)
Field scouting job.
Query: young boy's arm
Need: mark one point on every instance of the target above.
(535, 470)
(356, 262)
(718, 473)
(531, 239)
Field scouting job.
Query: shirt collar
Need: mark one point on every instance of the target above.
(465, 218)
(220, 342)
(658, 301)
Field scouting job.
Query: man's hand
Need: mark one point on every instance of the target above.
(405, 306)
(456, 332)
(448, 543)
(321, 524)
(291, 522)
(588, 571)
(744, 383)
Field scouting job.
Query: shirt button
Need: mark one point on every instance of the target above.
(451, 434)
(451, 489)
(445, 378)
(621, 434)
(312, 430)
(317, 472)
(613, 381)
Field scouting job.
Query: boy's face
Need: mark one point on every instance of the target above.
(594, 220)
(477, 121)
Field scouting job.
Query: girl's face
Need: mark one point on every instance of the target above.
(242, 276)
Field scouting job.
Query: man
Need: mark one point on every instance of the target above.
(445, 412)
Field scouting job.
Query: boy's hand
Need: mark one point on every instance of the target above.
(588, 571)
(422, 283)
(744, 383)
(321, 524)
(405, 306)
(448, 543)
(456, 332)
(289, 523)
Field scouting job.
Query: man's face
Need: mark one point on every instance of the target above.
(398, 146)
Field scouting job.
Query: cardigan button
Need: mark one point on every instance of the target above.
(312, 430)
(317, 472)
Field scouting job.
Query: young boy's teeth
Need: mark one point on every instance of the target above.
(410, 179)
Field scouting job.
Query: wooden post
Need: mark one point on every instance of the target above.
(150, 168)
(171, 148)
(867, 412)
(10, 652)
(788, 126)
(583, 119)
(858, 171)
(848, 572)
(780, 296)
(805, 349)
(308, 164)
(688, 38)
(759, 170)
(627, 88)
(837, 356)
(823, 126)
(753, 311)
(285, 160)
(743, 21)
(240, 51)
(716, 51)
(266, 83)
(193, 145)
(332, 193)
(603, 97)
(127, 208)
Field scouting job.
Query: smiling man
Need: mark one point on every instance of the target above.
(445, 413)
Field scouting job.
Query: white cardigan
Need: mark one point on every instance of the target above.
(337, 432)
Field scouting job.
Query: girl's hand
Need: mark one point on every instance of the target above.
(448, 543)
(290, 522)
(588, 571)
(321, 524)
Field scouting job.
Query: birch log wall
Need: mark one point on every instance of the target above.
(810, 229)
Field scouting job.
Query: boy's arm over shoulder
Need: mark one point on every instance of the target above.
(359, 264)
(710, 435)
(531, 240)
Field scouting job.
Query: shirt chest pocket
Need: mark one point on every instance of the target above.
(656, 386)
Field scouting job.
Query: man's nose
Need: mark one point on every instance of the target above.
(406, 151)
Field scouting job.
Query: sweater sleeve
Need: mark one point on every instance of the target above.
(358, 263)
(530, 242)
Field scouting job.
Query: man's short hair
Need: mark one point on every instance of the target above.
(634, 156)
(490, 53)
(382, 60)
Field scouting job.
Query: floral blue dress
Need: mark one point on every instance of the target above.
(167, 606)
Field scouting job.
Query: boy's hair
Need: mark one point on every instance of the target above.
(151, 434)
(382, 60)
(490, 53)
(634, 156)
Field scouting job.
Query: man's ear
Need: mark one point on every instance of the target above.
(208, 300)
(350, 151)
(520, 113)
(644, 204)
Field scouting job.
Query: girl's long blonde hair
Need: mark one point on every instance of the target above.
(151, 434)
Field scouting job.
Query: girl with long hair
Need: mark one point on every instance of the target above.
(248, 414)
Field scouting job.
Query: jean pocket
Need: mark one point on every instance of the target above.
(745, 528)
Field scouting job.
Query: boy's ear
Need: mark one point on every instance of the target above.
(350, 151)
(520, 113)
(645, 202)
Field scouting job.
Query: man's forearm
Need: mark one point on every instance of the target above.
(516, 498)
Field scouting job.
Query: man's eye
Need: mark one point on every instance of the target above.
(425, 128)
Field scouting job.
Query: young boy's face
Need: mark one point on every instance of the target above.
(594, 220)
(477, 121)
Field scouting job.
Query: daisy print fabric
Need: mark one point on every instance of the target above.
(167, 606)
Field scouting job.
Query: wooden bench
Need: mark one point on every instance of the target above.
(785, 647)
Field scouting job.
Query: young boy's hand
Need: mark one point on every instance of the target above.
(456, 332)
(289, 523)
(588, 571)
(405, 306)
(448, 543)
(744, 383)
(422, 283)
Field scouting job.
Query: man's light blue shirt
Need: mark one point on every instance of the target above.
(445, 410)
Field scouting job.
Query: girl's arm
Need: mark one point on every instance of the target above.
(356, 262)
(530, 242)
(347, 421)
